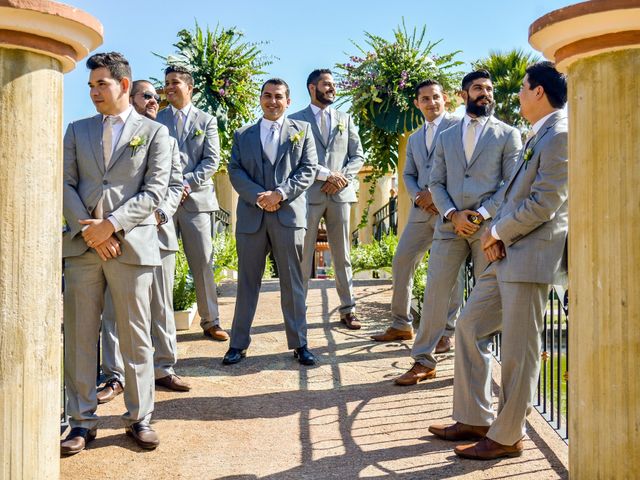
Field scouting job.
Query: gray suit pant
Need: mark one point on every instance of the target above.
(336, 215)
(516, 309)
(253, 248)
(414, 242)
(446, 260)
(195, 231)
(163, 326)
(86, 278)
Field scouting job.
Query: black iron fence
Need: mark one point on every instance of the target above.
(221, 221)
(385, 220)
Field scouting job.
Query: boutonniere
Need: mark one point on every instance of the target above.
(527, 156)
(137, 142)
(197, 133)
(296, 138)
(341, 126)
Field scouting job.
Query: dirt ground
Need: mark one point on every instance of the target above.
(270, 418)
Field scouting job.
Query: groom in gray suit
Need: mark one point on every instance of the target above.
(418, 234)
(527, 247)
(197, 135)
(272, 163)
(340, 158)
(470, 164)
(116, 172)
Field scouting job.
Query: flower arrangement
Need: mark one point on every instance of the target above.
(341, 127)
(197, 133)
(137, 142)
(296, 138)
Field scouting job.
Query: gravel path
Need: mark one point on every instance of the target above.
(270, 418)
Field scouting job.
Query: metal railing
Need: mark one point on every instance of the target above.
(221, 221)
(355, 238)
(385, 220)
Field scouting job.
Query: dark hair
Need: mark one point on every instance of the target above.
(136, 85)
(426, 83)
(275, 81)
(314, 76)
(553, 83)
(470, 77)
(183, 72)
(115, 62)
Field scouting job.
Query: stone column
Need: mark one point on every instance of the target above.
(380, 198)
(39, 41)
(597, 44)
(404, 202)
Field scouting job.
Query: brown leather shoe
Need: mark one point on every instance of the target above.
(444, 345)
(487, 449)
(459, 431)
(173, 382)
(416, 374)
(217, 333)
(77, 440)
(351, 321)
(391, 334)
(144, 435)
(111, 390)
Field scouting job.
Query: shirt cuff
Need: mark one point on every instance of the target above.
(494, 233)
(323, 173)
(446, 214)
(281, 192)
(483, 211)
(185, 184)
(115, 223)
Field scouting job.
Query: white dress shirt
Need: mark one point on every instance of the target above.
(322, 173)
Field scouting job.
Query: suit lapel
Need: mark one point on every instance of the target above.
(189, 124)
(128, 131)
(334, 126)
(285, 132)
(422, 142)
(458, 145)
(311, 118)
(486, 134)
(168, 121)
(95, 140)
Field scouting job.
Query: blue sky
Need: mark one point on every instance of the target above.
(303, 35)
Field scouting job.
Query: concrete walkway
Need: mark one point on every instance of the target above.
(270, 418)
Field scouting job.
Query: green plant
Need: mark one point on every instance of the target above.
(226, 73)
(380, 86)
(374, 256)
(420, 280)
(184, 290)
(225, 255)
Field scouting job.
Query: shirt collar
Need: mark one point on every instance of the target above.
(122, 115)
(538, 125)
(315, 109)
(437, 121)
(481, 120)
(184, 110)
(265, 123)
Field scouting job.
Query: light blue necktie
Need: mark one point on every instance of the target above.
(273, 140)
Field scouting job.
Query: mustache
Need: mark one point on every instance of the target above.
(483, 97)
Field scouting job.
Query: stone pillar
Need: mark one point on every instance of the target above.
(227, 196)
(404, 202)
(597, 44)
(380, 198)
(39, 41)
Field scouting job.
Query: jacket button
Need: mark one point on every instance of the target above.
(104, 182)
(466, 175)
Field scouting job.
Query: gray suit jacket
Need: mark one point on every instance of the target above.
(201, 156)
(295, 171)
(342, 153)
(417, 168)
(131, 187)
(533, 220)
(455, 184)
(167, 231)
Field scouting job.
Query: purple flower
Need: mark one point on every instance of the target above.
(221, 92)
(402, 84)
(404, 75)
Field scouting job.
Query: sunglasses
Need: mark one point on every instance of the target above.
(149, 96)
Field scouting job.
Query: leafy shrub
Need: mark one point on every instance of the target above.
(420, 280)
(184, 290)
(374, 256)
(225, 255)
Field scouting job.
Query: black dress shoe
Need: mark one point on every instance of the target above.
(143, 434)
(77, 440)
(304, 356)
(234, 355)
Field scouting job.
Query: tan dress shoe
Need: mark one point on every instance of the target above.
(217, 333)
(143, 435)
(487, 449)
(77, 440)
(417, 373)
(444, 345)
(459, 431)
(351, 321)
(173, 382)
(391, 334)
(111, 390)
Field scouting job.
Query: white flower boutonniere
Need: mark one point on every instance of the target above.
(341, 126)
(137, 142)
(296, 138)
(527, 156)
(197, 133)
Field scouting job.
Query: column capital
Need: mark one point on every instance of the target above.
(586, 29)
(50, 28)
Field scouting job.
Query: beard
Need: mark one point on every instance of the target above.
(474, 108)
(324, 99)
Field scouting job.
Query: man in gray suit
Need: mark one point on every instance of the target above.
(527, 247)
(418, 234)
(340, 158)
(144, 100)
(116, 172)
(272, 163)
(197, 135)
(470, 164)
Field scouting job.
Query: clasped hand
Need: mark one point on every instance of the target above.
(99, 235)
(269, 200)
(493, 248)
(334, 183)
(461, 223)
(425, 202)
